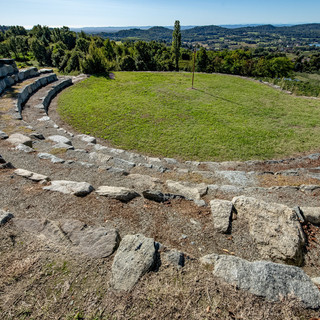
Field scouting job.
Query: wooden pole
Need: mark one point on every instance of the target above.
(194, 63)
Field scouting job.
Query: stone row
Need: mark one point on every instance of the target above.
(9, 73)
(136, 255)
(64, 83)
(28, 90)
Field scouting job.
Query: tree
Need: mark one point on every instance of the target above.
(176, 44)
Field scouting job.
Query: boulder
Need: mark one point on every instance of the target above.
(92, 241)
(221, 213)
(135, 257)
(31, 175)
(79, 189)
(60, 139)
(118, 193)
(191, 192)
(311, 214)
(266, 279)
(18, 138)
(274, 227)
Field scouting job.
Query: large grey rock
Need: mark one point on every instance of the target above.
(5, 217)
(51, 157)
(221, 213)
(99, 157)
(135, 257)
(275, 229)
(311, 214)
(60, 139)
(86, 138)
(143, 181)
(236, 178)
(191, 192)
(121, 163)
(18, 138)
(92, 241)
(3, 135)
(79, 189)
(31, 175)
(118, 193)
(266, 279)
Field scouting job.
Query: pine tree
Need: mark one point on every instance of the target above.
(176, 43)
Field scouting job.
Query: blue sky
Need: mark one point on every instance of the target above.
(83, 13)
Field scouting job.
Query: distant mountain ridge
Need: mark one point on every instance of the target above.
(205, 33)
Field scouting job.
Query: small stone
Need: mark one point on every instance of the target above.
(311, 214)
(60, 139)
(158, 196)
(191, 192)
(31, 175)
(37, 135)
(79, 189)
(174, 257)
(86, 164)
(18, 138)
(45, 118)
(62, 145)
(5, 217)
(118, 193)
(86, 138)
(51, 157)
(24, 148)
(3, 135)
(200, 203)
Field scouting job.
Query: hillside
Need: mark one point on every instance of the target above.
(303, 34)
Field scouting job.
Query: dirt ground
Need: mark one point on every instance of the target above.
(42, 280)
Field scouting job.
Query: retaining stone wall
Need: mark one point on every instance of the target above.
(28, 90)
(54, 91)
(8, 73)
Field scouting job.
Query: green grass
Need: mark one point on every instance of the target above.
(224, 118)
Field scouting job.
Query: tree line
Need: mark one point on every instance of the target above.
(78, 52)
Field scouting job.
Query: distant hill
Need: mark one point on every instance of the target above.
(95, 30)
(220, 37)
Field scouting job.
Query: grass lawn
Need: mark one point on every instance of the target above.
(224, 118)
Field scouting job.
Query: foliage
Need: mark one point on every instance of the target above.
(71, 52)
(176, 44)
(225, 117)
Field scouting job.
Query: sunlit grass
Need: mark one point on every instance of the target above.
(224, 118)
